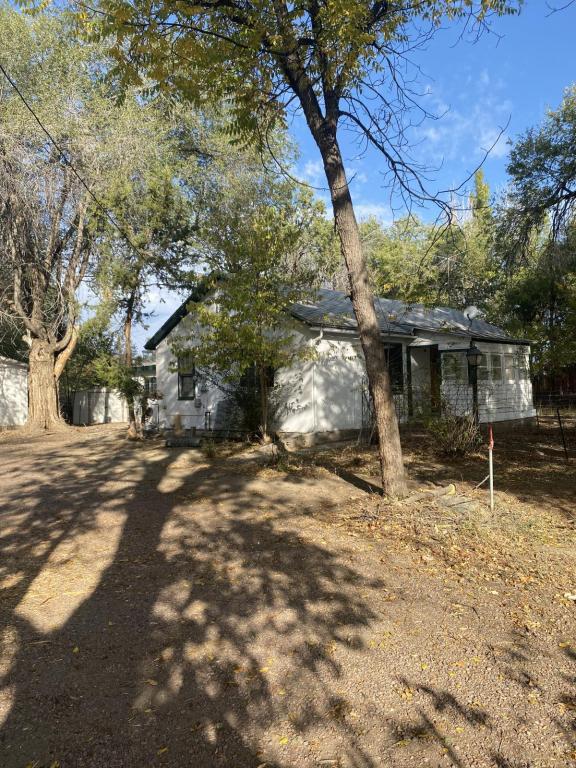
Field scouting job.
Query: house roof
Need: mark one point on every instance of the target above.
(200, 292)
(333, 309)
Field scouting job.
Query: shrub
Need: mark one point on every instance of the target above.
(455, 434)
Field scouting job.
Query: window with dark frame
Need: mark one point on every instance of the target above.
(150, 385)
(187, 378)
(395, 365)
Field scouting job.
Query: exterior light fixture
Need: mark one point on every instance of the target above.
(473, 355)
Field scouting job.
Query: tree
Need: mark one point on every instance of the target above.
(536, 240)
(149, 194)
(422, 263)
(265, 247)
(339, 62)
(542, 168)
(45, 238)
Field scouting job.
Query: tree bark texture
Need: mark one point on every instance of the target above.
(43, 407)
(134, 432)
(263, 401)
(390, 450)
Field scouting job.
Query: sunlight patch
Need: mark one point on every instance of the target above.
(71, 574)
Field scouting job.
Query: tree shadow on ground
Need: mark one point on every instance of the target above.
(159, 658)
(519, 660)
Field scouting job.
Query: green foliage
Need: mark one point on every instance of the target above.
(538, 302)
(536, 239)
(542, 168)
(239, 52)
(264, 245)
(113, 373)
(436, 266)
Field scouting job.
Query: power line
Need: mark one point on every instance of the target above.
(66, 160)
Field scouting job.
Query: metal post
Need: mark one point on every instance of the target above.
(491, 466)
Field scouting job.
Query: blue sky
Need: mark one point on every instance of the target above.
(510, 76)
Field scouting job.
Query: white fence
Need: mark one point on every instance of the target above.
(13, 393)
(98, 406)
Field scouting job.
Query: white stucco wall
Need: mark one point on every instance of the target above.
(324, 393)
(192, 413)
(13, 393)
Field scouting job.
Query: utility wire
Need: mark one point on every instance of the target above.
(64, 157)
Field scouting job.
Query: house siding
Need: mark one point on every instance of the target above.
(325, 394)
(192, 413)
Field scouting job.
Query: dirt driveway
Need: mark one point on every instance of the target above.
(158, 609)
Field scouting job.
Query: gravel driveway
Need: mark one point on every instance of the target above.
(159, 609)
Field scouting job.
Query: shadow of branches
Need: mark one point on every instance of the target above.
(183, 646)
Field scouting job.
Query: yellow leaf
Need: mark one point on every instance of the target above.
(151, 682)
(76, 649)
(565, 644)
(283, 740)
(162, 750)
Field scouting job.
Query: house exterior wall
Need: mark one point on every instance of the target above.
(13, 393)
(509, 398)
(504, 399)
(325, 392)
(192, 413)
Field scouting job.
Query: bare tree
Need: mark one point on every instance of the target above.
(45, 245)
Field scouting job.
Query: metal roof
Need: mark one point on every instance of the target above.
(333, 309)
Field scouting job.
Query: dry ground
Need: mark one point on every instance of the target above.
(160, 609)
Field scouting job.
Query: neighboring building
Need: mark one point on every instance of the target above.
(427, 355)
(13, 393)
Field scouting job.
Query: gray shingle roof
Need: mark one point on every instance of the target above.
(333, 309)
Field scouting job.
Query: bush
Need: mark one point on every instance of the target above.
(455, 434)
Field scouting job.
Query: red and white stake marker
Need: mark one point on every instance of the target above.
(491, 465)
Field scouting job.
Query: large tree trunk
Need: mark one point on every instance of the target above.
(263, 386)
(134, 432)
(390, 450)
(43, 407)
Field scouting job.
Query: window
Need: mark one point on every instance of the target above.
(150, 385)
(496, 367)
(393, 354)
(483, 369)
(523, 365)
(510, 367)
(187, 378)
(455, 367)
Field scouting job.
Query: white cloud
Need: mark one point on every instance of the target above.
(313, 173)
(469, 126)
(370, 209)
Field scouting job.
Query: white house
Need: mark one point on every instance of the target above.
(428, 351)
(13, 393)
